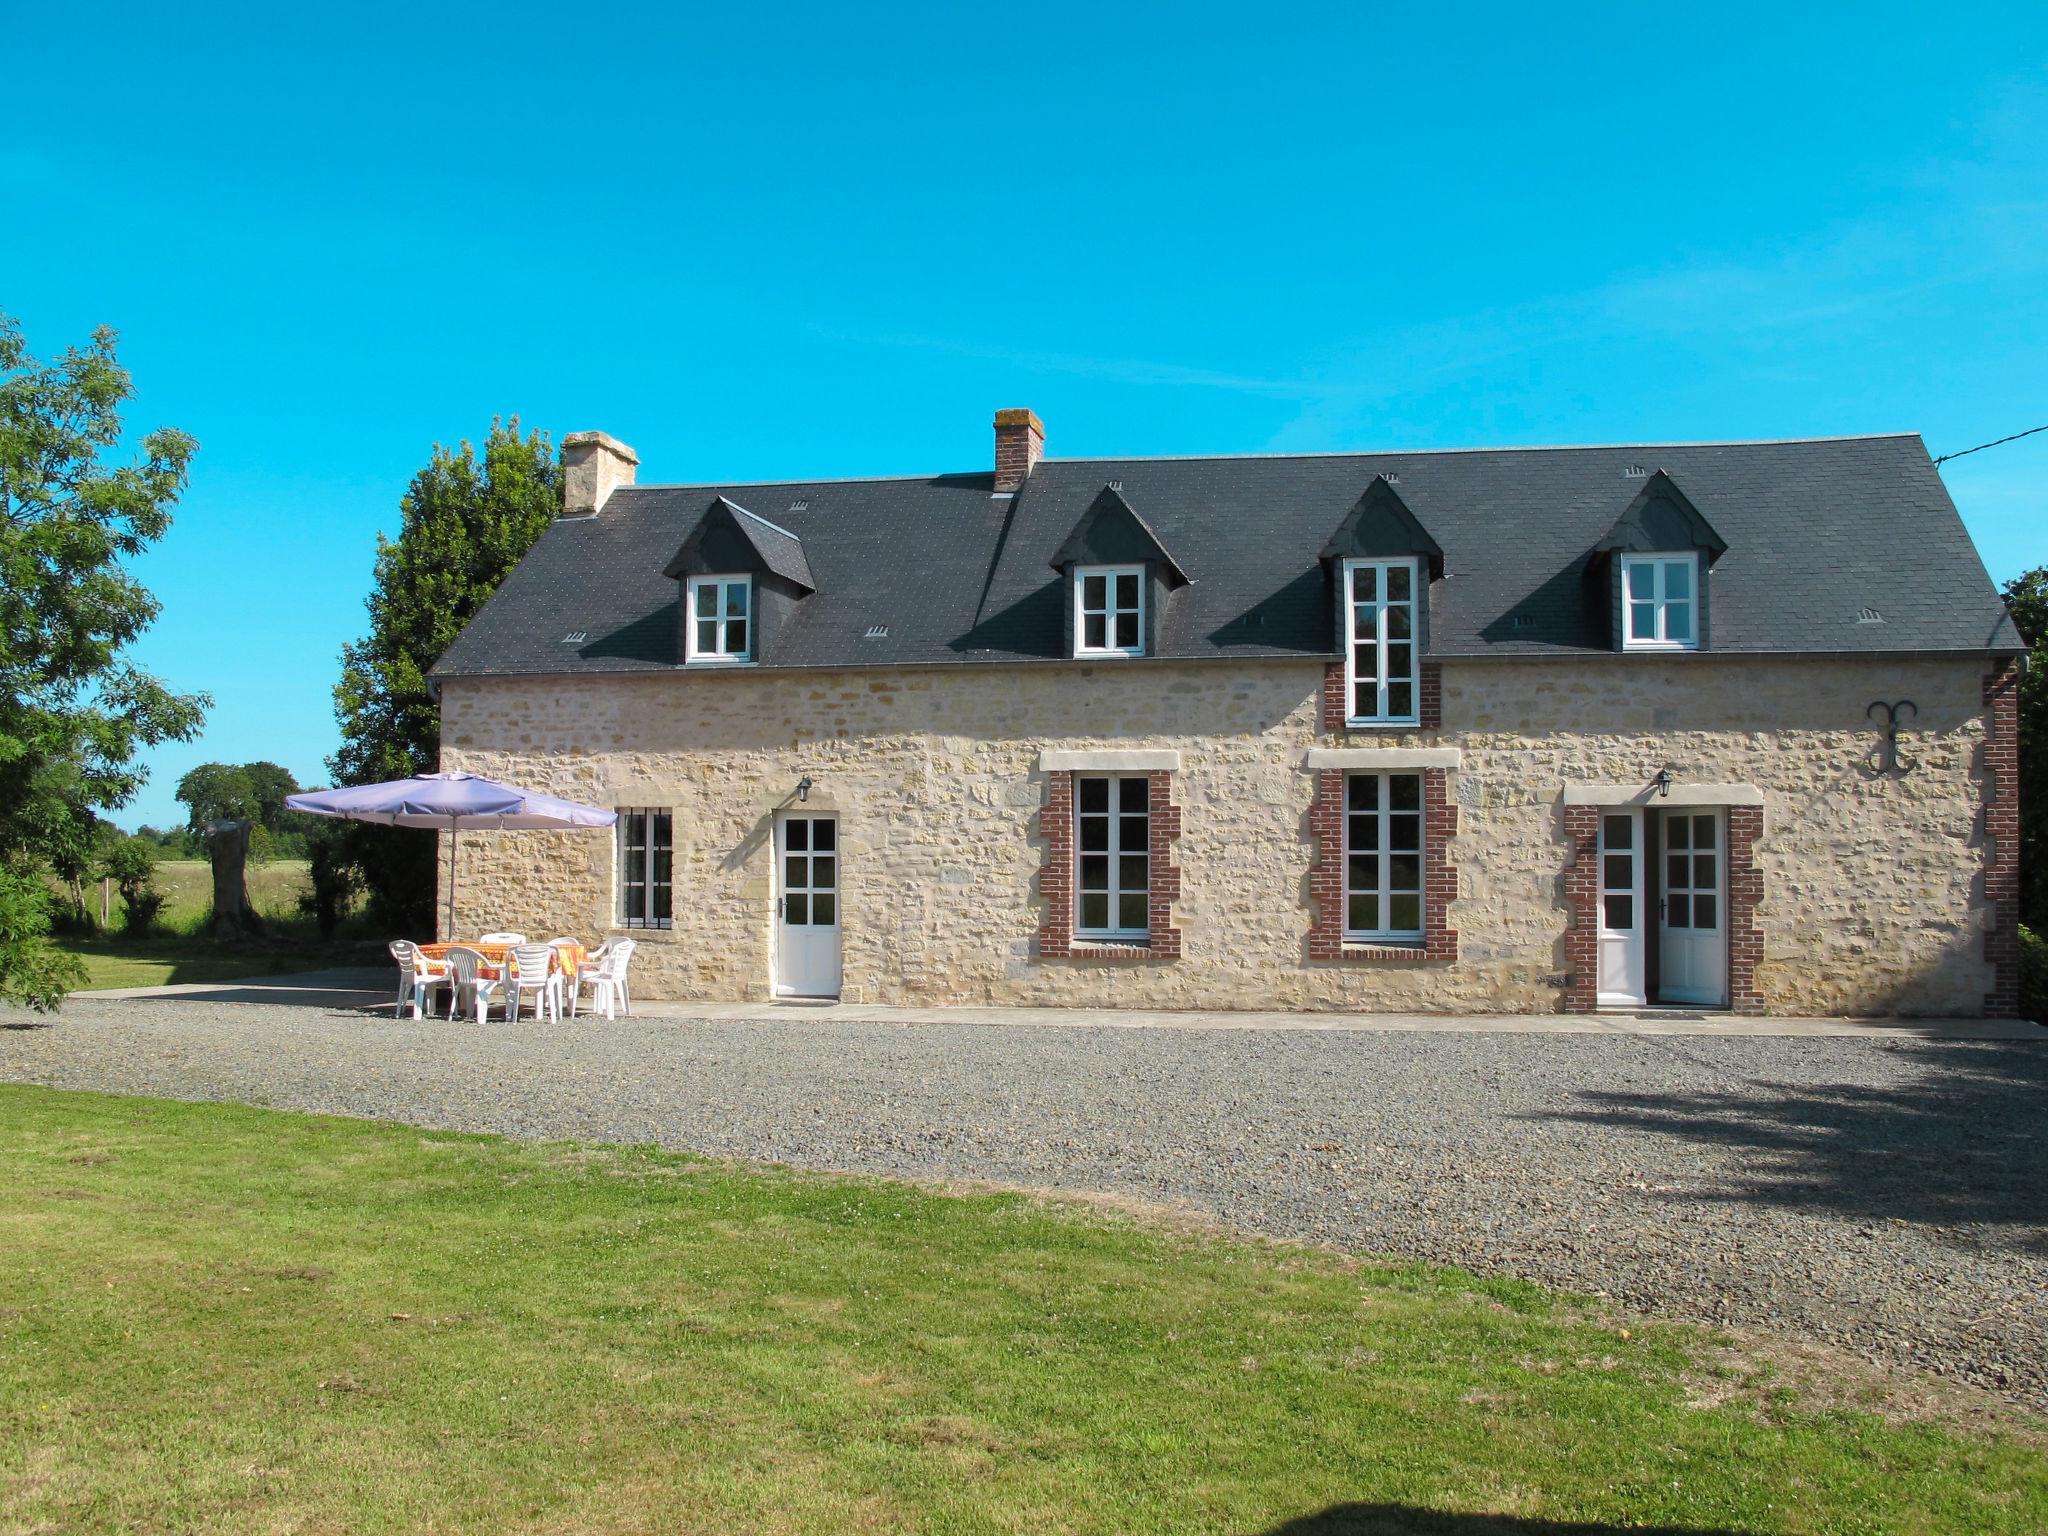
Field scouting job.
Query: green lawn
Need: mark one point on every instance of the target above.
(225, 1319)
(178, 949)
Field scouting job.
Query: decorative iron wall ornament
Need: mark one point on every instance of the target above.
(1885, 759)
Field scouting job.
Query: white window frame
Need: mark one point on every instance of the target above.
(1660, 601)
(1115, 854)
(1111, 610)
(635, 829)
(1352, 638)
(694, 652)
(1383, 818)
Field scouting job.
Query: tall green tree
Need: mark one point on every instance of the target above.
(75, 710)
(217, 792)
(2026, 598)
(465, 522)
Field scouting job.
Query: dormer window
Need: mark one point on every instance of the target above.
(1660, 598)
(1109, 610)
(721, 624)
(1379, 634)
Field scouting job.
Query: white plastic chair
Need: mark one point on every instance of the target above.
(534, 968)
(502, 938)
(417, 978)
(473, 990)
(605, 976)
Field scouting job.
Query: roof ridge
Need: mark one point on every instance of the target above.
(1376, 453)
(1315, 453)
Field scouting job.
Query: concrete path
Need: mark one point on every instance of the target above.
(373, 987)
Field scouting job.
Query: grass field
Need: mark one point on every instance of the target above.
(177, 949)
(225, 1319)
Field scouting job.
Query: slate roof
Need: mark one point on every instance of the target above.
(1819, 531)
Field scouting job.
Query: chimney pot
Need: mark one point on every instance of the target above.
(594, 464)
(1020, 443)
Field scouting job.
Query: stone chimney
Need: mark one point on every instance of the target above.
(1020, 443)
(594, 464)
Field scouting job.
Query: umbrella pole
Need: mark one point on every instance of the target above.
(454, 849)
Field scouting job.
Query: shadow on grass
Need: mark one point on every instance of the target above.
(1406, 1520)
(1958, 1144)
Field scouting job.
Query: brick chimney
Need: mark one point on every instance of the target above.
(1020, 443)
(594, 464)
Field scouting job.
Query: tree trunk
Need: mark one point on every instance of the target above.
(227, 846)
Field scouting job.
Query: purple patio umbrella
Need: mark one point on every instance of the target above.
(448, 802)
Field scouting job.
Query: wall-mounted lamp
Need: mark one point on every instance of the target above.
(803, 789)
(1662, 782)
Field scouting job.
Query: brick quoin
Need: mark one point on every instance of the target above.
(1429, 698)
(1326, 873)
(2001, 769)
(1056, 877)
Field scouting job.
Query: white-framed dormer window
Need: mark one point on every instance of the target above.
(1379, 634)
(1113, 855)
(1660, 602)
(1109, 610)
(721, 618)
(1383, 858)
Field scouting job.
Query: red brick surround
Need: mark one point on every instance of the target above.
(1745, 893)
(2001, 767)
(1326, 874)
(1429, 698)
(1056, 877)
(1582, 902)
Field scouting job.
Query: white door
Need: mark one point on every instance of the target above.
(1622, 951)
(807, 911)
(1692, 950)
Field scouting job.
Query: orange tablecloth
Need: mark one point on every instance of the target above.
(570, 957)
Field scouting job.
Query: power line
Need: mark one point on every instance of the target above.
(1992, 444)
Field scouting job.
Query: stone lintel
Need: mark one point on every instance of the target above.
(1110, 760)
(1679, 794)
(1391, 758)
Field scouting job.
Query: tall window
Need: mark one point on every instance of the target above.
(721, 618)
(646, 864)
(1379, 633)
(1113, 841)
(1109, 611)
(1660, 597)
(1383, 856)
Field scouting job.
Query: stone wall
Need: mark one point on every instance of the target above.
(1872, 886)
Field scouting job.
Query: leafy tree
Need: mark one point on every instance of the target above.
(465, 522)
(74, 708)
(131, 865)
(217, 792)
(269, 784)
(31, 972)
(2026, 596)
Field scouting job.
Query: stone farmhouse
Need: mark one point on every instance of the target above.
(1705, 725)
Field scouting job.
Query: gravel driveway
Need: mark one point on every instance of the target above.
(1885, 1195)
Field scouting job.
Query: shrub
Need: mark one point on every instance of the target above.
(337, 878)
(131, 865)
(2033, 975)
(31, 972)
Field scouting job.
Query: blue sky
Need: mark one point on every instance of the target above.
(763, 241)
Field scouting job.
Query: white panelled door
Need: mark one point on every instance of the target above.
(1623, 971)
(807, 910)
(1692, 947)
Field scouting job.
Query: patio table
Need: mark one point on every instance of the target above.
(570, 957)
